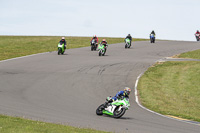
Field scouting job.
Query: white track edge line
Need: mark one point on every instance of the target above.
(23, 56)
(136, 94)
(137, 101)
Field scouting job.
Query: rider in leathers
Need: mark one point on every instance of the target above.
(120, 94)
(197, 34)
(63, 41)
(129, 37)
(104, 42)
(153, 33)
(95, 38)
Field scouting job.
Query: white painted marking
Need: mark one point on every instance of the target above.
(23, 57)
(137, 101)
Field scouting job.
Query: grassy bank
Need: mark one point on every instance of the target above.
(16, 46)
(172, 88)
(19, 125)
(192, 54)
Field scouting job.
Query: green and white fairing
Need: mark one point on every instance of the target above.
(61, 48)
(128, 43)
(101, 46)
(127, 40)
(116, 109)
(101, 49)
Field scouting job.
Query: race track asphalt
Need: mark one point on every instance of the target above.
(68, 88)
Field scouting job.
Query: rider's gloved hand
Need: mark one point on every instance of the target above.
(110, 101)
(120, 97)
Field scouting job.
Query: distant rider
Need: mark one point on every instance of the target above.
(95, 38)
(153, 33)
(120, 94)
(63, 41)
(129, 37)
(104, 42)
(197, 32)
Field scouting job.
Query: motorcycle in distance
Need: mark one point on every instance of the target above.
(102, 49)
(93, 45)
(115, 109)
(61, 48)
(152, 38)
(197, 37)
(128, 43)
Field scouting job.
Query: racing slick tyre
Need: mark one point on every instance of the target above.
(99, 110)
(119, 113)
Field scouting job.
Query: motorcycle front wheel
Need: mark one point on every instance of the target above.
(103, 53)
(59, 51)
(119, 113)
(99, 110)
(129, 46)
(99, 53)
(95, 48)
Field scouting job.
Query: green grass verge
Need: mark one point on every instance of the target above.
(16, 46)
(192, 54)
(172, 88)
(19, 125)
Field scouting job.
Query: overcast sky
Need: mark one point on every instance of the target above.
(170, 19)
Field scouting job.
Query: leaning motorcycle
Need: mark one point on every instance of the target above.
(61, 48)
(152, 38)
(116, 109)
(102, 49)
(93, 45)
(197, 37)
(128, 43)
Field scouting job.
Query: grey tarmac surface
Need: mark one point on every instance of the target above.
(68, 88)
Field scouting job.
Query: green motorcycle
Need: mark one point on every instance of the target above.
(61, 48)
(102, 49)
(128, 43)
(116, 109)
